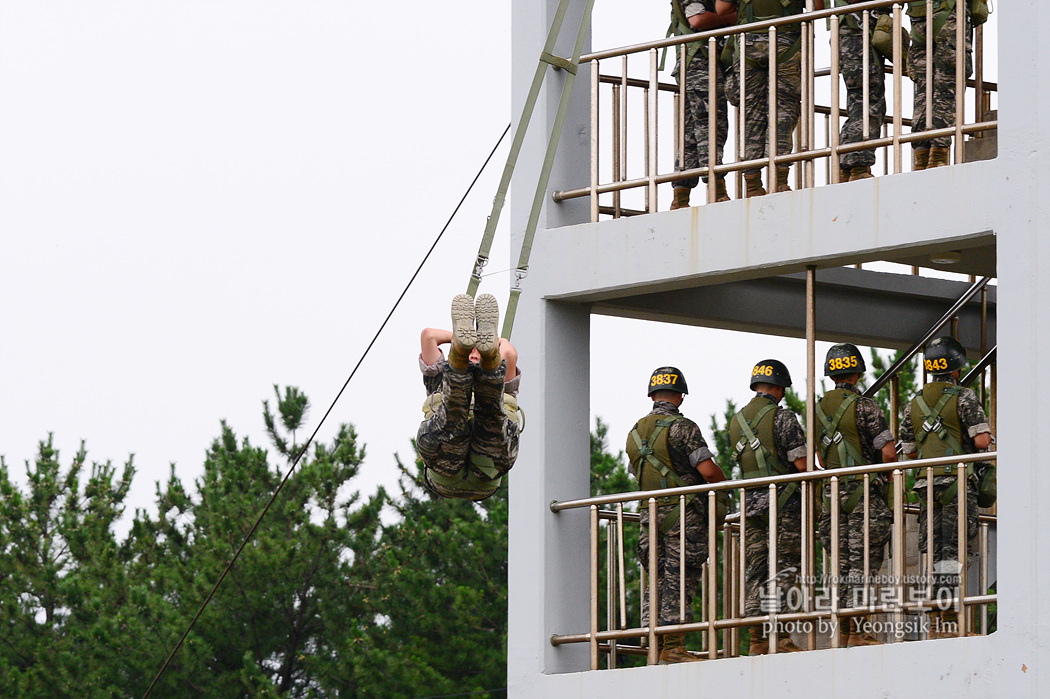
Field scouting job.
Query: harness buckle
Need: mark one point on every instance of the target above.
(755, 444)
(519, 274)
(479, 265)
(935, 427)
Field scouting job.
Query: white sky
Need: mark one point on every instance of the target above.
(200, 199)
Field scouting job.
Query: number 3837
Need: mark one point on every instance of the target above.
(664, 380)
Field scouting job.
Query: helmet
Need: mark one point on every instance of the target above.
(667, 378)
(843, 359)
(772, 372)
(944, 355)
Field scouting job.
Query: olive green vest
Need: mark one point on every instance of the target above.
(679, 27)
(751, 433)
(759, 10)
(840, 440)
(651, 462)
(935, 418)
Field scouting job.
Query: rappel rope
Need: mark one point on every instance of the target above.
(570, 66)
(299, 456)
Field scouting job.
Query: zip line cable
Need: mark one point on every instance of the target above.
(273, 498)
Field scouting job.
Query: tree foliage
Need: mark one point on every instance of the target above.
(334, 595)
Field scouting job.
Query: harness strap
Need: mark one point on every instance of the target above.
(933, 423)
(647, 456)
(750, 439)
(847, 452)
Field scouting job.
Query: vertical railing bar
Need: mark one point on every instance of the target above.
(646, 128)
(594, 588)
(713, 102)
(929, 533)
(623, 565)
(771, 116)
(681, 558)
(834, 166)
(611, 563)
(836, 640)
(711, 601)
(929, 64)
(773, 567)
(615, 150)
(865, 81)
(984, 577)
(623, 124)
(898, 545)
(654, 601)
(960, 78)
(963, 519)
(868, 597)
(595, 84)
(654, 160)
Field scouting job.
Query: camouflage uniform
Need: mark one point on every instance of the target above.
(756, 86)
(851, 59)
(789, 443)
(874, 434)
(943, 75)
(946, 565)
(456, 428)
(687, 448)
(697, 109)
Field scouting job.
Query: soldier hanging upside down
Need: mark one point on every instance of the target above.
(469, 435)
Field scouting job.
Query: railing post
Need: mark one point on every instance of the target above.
(654, 601)
(594, 588)
(595, 71)
(651, 149)
(834, 132)
(771, 122)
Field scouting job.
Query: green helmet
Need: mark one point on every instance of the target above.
(667, 378)
(944, 355)
(772, 372)
(843, 359)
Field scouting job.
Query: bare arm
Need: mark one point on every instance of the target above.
(430, 341)
(724, 15)
(510, 355)
(710, 471)
(800, 464)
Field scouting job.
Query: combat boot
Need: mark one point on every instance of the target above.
(844, 633)
(860, 636)
(759, 644)
(920, 158)
(486, 313)
(672, 651)
(939, 155)
(721, 194)
(944, 624)
(782, 179)
(786, 645)
(753, 183)
(844, 173)
(860, 172)
(681, 198)
(464, 335)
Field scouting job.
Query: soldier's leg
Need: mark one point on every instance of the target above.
(495, 435)
(443, 439)
(672, 582)
(756, 575)
(852, 61)
(789, 92)
(695, 106)
(946, 56)
(756, 98)
(917, 60)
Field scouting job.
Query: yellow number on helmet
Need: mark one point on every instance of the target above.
(674, 378)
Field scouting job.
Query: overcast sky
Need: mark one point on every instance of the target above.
(200, 199)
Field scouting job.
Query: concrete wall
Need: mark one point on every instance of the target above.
(772, 235)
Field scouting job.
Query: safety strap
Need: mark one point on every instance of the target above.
(648, 457)
(848, 454)
(949, 494)
(570, 66)
(933, 424)
(680, 21)
(750, 439)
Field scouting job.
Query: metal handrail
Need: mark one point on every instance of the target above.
(886, 377)
(979, 368)
(730, 484)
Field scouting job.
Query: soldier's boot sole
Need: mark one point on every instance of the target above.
(463, 334)
(486, 314)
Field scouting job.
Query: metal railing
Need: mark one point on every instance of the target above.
(905, 598)
(809, 150)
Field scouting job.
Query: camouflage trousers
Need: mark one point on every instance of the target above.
(942, 76)
(756, 93)
(851, 59)
(670, 583)
(454, 436)
(851, 539)
(945, 549)
(757, 599)
(696, 129)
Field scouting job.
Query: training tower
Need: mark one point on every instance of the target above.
(746, 263)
